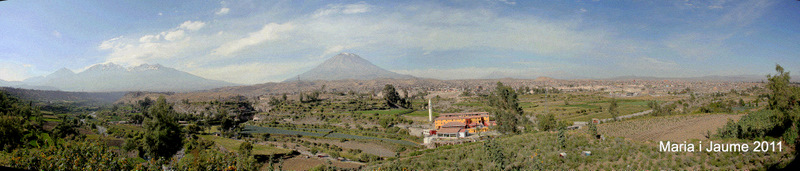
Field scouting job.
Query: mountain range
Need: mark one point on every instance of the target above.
(111, 77)
(347, 66)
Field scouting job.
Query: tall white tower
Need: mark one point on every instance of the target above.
(430, 111)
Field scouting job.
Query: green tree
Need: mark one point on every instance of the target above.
(547, 122)
(10, 132)
(66, 128)
(612, 109)
(227, 123)
(144, 104)
(163, 136)
(592, 129)
(193, 129)
(393, 98)
(561, 137)
(783, 96)
(245, 148)
(506, 108)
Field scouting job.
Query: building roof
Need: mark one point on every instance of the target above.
(448, 131)
(460, 117)
(454, 124)
(463, 114)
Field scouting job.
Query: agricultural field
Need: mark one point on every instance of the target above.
(669, 128)
(233, 146)
(302, 163)
(539, 151)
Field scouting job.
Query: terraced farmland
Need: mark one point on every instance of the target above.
(249, 129)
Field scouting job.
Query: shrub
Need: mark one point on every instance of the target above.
(547, 122)
(754, 125)
(70, 155)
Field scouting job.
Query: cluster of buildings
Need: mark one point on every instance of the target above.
(461, 124)
(456, 128)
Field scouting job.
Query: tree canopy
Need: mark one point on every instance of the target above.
(393, 98)
(164, 136)
(506, 108)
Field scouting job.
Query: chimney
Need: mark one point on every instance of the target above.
(430, 111)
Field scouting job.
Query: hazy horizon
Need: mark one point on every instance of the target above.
(258, 42)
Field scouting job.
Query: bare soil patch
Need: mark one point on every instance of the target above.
(300, 162)
(670, 128)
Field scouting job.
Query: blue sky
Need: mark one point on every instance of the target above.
(251, 42)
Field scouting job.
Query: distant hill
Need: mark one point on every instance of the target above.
(347, 66)
(545, 79)
(63, 96)
(20, 84)
(746, 78)
(111, 77)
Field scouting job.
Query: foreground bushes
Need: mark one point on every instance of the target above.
(71, 155)
(754, 125)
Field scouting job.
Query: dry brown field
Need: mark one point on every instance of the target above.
(669, 128)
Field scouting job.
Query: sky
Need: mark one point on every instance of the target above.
(251, 42)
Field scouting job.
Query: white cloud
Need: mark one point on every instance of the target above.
(432, 28)
(508, 2)
(360, 7)
(745, 12)
(219, 51)
(257, 72)
(153, 48)
(110, 43)
(192, 25)
(150, 38)
(270, 31)
(223, 11)
(173, 35)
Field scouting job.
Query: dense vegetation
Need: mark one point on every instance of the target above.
(20, 124)
(780, 120)
(70, 144)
